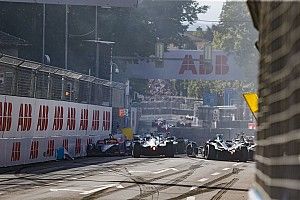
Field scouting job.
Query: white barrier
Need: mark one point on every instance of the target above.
(33, 129)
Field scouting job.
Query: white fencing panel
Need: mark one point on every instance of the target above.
(39, 120)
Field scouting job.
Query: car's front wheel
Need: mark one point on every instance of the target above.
(136, 150)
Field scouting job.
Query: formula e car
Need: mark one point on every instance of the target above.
(107, 147)
(218, 149)
(153, 146)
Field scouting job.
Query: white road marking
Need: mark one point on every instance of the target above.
(192, 188)
(138, 171)
(65, 189)
(203, 179)
(73, 178)
(215, 174)
(236, 164)
(98, 189)
(165, 170)
(191, 198)
(120, 186)
(60, 181)
(225, 169)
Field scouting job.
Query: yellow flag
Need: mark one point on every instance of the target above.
(252, 100)
(128, 133)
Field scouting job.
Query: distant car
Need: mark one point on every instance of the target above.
(192, 149)
(153, 146)
(107, 147)
(218, 149)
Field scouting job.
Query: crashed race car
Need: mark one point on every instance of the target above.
(108, 147)
(153, 146)
(192, 149)
(218, 149)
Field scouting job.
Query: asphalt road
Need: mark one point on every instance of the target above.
(129, 178)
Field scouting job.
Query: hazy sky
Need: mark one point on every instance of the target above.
(212, 14)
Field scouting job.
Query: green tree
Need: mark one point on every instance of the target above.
(236, 34)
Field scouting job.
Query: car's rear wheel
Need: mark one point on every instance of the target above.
(210, 152)
(170, 150)
(136, 151)
(243, 154)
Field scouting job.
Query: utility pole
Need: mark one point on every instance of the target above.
(66, 36)
(44, 21)
(97, 44)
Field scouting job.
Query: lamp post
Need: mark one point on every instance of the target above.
(110, 43)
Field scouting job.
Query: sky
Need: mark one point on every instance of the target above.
(212, 14)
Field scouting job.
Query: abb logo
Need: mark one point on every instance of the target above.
(34, 151)
(106, 121)
(50, 148)
(25, 117)
(78, 146)
(96, 120)
(58, 118)
(221, 66)
(15, 152)
(84, 119)
(71, 119)
(42, 124)
(66, 144)
(5, 116)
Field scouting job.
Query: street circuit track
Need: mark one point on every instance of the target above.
(129, 178)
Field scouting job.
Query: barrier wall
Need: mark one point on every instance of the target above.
(33, 129)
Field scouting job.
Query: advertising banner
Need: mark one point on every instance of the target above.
(186, 65)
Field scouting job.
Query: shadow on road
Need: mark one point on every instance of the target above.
(52, 166)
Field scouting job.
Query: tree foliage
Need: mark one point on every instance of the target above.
(236, 34)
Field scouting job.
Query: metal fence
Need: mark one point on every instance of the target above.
(19, 77)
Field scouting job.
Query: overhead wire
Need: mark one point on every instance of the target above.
(82, 35)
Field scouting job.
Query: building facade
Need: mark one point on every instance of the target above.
(278, 150)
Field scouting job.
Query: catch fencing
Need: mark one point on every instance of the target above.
(19, 77)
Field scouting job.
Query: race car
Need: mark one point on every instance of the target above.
(107, 147)
(218, 149)
(153, 146)
(192, 149)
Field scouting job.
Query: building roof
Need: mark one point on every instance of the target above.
(10, 40)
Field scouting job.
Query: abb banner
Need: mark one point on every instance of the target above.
(187, 65)
(22, 117)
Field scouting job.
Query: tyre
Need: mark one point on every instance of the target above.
(210, 152)
(170, 150)
(136, 151)
(189, 150)
(243, 154)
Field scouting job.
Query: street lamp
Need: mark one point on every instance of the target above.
(111, 63)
